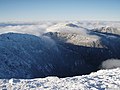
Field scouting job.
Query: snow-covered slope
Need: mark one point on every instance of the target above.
(42, 56)
(80, 35)
(39, 57)
(100, 80)
(23, 55)
(108, 29)
(60, 49)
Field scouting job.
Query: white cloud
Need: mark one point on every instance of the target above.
(35, 29)
(110, 63)
(49, 43)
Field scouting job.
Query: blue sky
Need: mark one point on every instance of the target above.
(37, 10)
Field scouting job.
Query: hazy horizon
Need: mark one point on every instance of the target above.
(59, 10)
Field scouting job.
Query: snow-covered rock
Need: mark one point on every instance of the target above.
(78, 34)
(108, 29)
(100, 80)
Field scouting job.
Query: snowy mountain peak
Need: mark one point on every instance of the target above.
(71, 25)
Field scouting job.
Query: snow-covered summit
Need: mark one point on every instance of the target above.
(66, 28)
(79, 34)
(108, 29)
